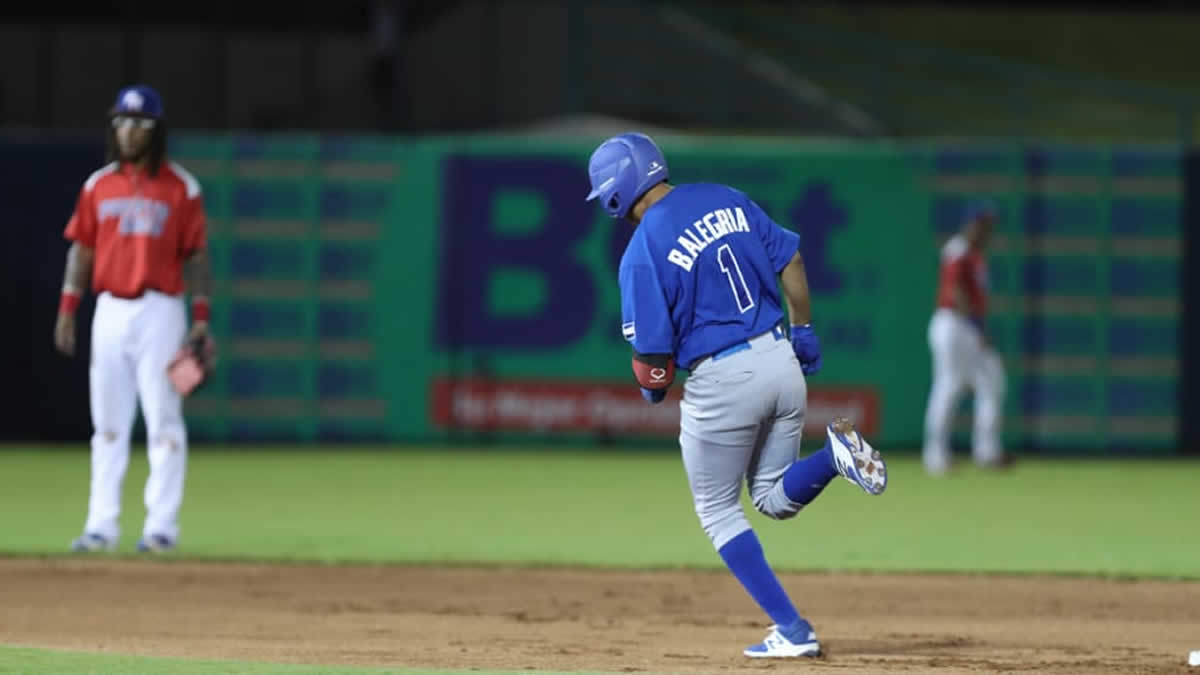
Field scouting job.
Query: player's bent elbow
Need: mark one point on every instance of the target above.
(654, 371)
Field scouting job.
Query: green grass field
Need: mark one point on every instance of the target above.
(615, 509)
(623, 509)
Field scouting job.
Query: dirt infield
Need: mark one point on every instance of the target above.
(592, 620)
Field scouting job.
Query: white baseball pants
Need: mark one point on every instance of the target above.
(961, 360)
(133, 341)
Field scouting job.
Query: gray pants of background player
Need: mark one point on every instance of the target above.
(741, 419)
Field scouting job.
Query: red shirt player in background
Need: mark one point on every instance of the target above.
(138, 229)
(962, 355)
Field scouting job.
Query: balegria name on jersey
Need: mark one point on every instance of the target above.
(713, 226)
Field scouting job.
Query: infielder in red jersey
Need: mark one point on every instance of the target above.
(962, 355)
(138, 230)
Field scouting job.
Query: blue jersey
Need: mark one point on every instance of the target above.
(701, 273)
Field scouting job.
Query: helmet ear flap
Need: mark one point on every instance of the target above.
(614, 202)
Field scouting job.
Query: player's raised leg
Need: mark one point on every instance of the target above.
(781, 484)
(779, 443)
(162, 330)
(989, 385)
(113, 398)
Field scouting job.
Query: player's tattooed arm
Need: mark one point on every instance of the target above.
(75, 280)
(805, 344)
(197, 275)
(794, 280)
(79, 268)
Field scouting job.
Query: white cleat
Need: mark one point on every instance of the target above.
(91, 542)
(855, 459)
(776, 646)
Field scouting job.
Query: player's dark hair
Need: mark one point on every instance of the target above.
(156, 152)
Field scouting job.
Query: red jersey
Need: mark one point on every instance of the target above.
(963, 268)
(141, 227)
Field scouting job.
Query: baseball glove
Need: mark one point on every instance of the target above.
(192, 364)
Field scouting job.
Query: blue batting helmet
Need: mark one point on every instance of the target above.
(622, 169)
(139, 100)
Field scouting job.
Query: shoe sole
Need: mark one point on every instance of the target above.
(809, 650)
(866, 462)
(99, 548)
(155, 550)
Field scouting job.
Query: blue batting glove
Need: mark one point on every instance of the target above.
(654, 395)
(807, 348)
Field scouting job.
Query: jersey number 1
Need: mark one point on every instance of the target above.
(737, 283)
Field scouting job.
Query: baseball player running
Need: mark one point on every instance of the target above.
(137, 230)
(962, 355)
(699, 287)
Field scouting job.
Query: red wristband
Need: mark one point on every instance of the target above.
(200, 309)
(68, 302)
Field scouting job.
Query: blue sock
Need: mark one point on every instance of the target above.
(806, 478)
(744, 557)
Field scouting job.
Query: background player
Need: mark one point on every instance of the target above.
(962, 354)
(699, 290)
(137, 229)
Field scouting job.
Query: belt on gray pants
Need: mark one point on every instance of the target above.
(742, 345)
